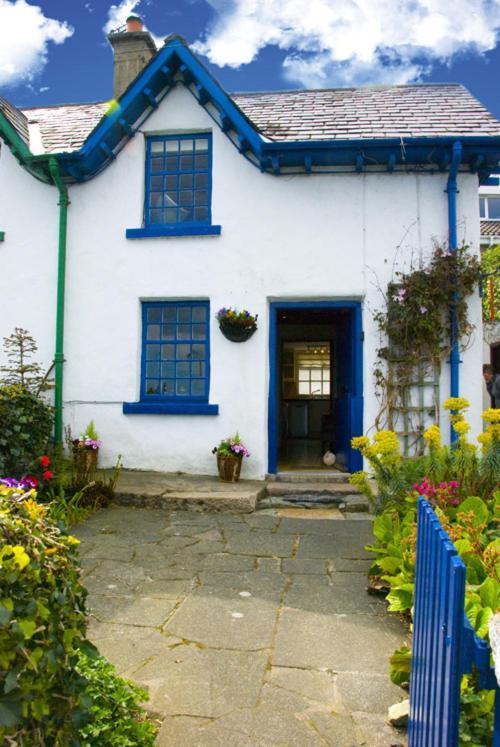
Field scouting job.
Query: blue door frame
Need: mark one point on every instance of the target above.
(354, 408)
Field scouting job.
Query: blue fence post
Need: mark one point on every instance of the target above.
(444, 644)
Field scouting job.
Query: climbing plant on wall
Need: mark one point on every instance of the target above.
(416, 327)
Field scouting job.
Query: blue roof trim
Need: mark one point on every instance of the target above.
(481, 154)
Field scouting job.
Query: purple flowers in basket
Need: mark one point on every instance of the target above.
(231, 446)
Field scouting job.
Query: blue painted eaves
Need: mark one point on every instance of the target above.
(175, 64)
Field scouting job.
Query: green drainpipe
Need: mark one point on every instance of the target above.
(61, 283)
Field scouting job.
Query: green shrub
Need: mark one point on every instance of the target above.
(452, 480)
(116, 716)
(42, 626)
(26, 425)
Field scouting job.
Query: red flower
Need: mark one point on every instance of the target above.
(31, 481)
(48, 475)
(44, 461)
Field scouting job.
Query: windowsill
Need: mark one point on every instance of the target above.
(149, 232)
(169, 408)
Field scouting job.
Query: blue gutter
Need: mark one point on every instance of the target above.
(175, 62)
(452, 189)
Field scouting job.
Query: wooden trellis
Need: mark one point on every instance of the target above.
(412, 400)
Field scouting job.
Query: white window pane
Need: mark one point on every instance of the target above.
(304, 387)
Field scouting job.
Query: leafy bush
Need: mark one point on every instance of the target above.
(54, 688)
(26, 425)
(453, 481)
(42, 625)
(116, 716)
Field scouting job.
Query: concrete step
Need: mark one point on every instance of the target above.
(332, 488)
(310, 476)
(236, 502)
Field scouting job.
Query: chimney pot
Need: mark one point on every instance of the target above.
(134, 23)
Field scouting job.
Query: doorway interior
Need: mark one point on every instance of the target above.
(315, 402)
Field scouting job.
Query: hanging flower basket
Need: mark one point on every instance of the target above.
(237, 326)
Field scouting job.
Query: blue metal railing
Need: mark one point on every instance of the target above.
(444, 644)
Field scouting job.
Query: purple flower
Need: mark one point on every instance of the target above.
(400, 296)
(11, 482)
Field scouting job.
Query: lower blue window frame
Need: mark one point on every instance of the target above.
(175, 399)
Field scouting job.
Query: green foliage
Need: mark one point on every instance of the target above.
(416, 319)
(26, 425)
(400, 666)
(42, 626)
(90, 432)
(116, 716)
(471, 522)
(19, 348)
(54, 689)
(490, 262)
(476, 714)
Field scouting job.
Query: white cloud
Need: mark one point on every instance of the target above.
(24, 37)
(118, 14)
(351, 42)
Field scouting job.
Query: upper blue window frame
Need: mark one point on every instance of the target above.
(175, 341)
(175, 172)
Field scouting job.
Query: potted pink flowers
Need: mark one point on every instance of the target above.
(230, 453)
(86, 453)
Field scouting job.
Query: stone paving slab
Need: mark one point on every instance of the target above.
(252, 630)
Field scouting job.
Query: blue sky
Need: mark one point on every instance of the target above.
(55, 51)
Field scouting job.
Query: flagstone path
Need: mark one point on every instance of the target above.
(248, 631)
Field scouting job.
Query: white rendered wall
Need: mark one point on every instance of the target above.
(28, 256)
(283, 238)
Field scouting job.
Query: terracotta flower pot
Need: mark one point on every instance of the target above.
(85, 461)
(229, 468)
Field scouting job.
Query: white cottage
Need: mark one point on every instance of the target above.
(127, 226)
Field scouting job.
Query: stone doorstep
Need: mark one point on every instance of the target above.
(159, 490)
(238, 502)
(335, 489)
(310, 476)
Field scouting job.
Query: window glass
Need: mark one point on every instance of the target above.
(482, 210)
(175, 357)
(178, 182)
(494, 208)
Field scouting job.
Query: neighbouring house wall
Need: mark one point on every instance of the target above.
(283, 238)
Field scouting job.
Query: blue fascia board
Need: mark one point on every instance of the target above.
(116, 128)
(166, 231)
(170, 408)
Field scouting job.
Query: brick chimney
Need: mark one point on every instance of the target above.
(133, 48)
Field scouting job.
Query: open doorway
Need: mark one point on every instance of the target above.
(315, 386)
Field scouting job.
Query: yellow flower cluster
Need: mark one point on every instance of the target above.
(386, 442)
(485, 438)
(433, 436)
(461, 427)
(358, 478)
(456, 404)
(492, 415)
(34, 509)
(15, 553)
(360, 442)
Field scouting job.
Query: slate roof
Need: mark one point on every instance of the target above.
(374, 112)
(16, 118)
(330, 114)
(66, 127)
(490, 228)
